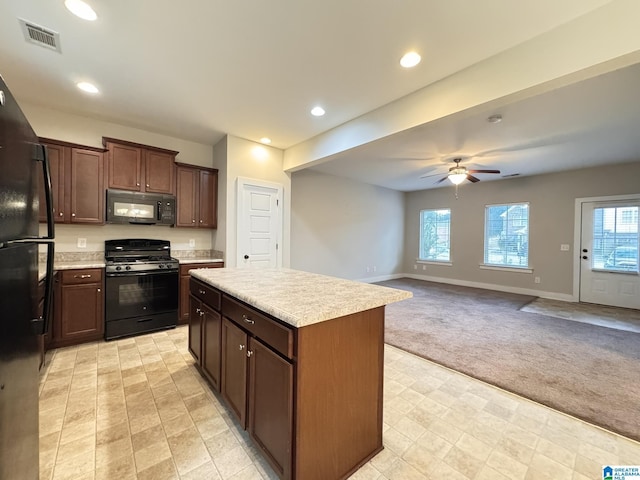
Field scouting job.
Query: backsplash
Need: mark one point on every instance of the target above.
(62, 257)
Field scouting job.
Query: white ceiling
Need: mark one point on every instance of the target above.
(200, 69)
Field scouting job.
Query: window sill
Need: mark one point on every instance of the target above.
(434, 262)
(504, 268)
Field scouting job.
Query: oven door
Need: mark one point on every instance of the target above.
(140, 294)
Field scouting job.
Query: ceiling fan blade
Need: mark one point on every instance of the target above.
(442, 179)
(472, 179)
(483, 171)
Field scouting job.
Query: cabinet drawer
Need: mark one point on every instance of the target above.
(206, 293)
(274, 334)
(87, 275)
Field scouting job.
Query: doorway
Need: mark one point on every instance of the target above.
(259, 224)
(609, 243)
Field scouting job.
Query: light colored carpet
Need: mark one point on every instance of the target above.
(587, 371)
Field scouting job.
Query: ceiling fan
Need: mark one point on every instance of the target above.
(459, 174)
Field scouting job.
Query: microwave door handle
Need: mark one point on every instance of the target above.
(158, 211)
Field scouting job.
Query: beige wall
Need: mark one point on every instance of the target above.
(551, 223)
(236, 157)
(340, 227)
(89, 131)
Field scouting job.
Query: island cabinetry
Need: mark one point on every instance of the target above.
(309, 396)
(79, 307)
(140, 168)
(184, 286)
(257, 382)
(77, 183)
(196, 196)
(204, 331)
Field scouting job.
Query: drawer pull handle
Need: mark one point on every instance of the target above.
(82, 276)
(248, 320)
(241, 347)
(249, 353)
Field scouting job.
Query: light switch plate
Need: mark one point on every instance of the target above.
(564, 247)
(192, 242)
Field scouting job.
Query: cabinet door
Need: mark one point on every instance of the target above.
(271, 405)
(87, 186)
(56, 155)
(82, 307)
(124, 167)
(234, 369)
(195, 328)
(212, 345)
(207, 200)
(159, 168)
(186, 186)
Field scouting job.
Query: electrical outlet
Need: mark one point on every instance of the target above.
(564, 247)
(424, 267)
(82, 243)
(374, 268)
(415, 267)
(368, 269)
(536, 280)
(192, 242)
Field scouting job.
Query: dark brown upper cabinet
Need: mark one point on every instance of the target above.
(77, 183)
(139, 168)
(196, 196)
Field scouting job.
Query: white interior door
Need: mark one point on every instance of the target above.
(609, 254)
(259, 224)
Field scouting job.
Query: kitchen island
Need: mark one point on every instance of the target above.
(298, 358)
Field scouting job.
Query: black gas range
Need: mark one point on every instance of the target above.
(141, 287)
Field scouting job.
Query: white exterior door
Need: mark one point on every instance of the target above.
(609, 254)
(259, 224)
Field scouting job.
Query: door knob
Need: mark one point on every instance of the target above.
(246, 257)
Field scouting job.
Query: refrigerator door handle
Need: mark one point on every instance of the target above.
(40, 325)
(41, 156)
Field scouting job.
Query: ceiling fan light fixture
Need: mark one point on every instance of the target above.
(457, 178)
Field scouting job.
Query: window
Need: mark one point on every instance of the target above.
(506, 235)
(615, 238)
(435, 235)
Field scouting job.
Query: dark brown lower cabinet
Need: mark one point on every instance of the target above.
(234, 369)
(310, 397)
(211, 348)
(271, 405)
(78, 307)
(195, 328)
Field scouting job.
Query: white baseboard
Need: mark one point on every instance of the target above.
(382, 278)
(490, 286)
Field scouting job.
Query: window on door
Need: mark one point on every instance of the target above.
(615, 238)
(435, 235)
(506, 235)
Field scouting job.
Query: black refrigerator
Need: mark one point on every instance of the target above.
(22, 162)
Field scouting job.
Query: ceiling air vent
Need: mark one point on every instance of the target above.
(40, 35)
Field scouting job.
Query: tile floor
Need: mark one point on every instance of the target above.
(138, 409)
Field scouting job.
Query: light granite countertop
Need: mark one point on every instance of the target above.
(42, 267)
(199, 260)
(299, 298)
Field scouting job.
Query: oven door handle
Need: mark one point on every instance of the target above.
(141, 274)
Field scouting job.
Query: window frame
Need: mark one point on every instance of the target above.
(518, 222)
(434, 260)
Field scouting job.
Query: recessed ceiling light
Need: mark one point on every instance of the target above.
(80, 9)
(87, 87)
(497, 118)
(265, 140)
(410, 59)
(317, 111)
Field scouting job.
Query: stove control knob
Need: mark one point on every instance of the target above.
(128, 267)
(161, 266)
(118, 268)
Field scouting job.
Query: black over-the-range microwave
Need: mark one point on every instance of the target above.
(140, 208)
